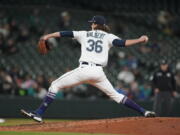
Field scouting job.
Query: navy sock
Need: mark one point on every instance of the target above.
(46, 102)
(131, 104)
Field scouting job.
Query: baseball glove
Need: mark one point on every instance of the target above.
(43, 47)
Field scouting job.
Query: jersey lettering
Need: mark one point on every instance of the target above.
(95, 46)
(95, 35)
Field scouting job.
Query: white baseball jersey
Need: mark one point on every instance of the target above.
(95, 45)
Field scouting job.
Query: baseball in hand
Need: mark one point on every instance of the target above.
(144, 39)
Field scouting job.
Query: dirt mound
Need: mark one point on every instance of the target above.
(133, 125)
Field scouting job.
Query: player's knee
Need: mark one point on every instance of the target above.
(121, 97)
(53, 88)
(117, 97)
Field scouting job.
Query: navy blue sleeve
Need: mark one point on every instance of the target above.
(66, 34)
(119, 42)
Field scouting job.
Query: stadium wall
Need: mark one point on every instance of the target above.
(73, 109)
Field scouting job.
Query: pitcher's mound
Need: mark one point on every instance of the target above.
(133, 125)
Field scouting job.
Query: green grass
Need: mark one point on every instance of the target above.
(12, 122)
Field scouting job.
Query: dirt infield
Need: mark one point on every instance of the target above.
(133, 125)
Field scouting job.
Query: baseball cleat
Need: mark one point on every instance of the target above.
(32, 115)
(149, 114)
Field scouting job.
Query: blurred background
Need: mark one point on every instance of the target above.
(26, 75)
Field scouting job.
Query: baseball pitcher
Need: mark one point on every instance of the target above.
(95, 45)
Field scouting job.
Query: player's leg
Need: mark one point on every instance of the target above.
(168, 104)
(158, 103)
(69, 79)
(107, 88)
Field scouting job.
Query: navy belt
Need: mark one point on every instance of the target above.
(86, 63)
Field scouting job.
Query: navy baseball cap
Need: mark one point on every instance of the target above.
(98, 19)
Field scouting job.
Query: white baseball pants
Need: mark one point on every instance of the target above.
(90, 74)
